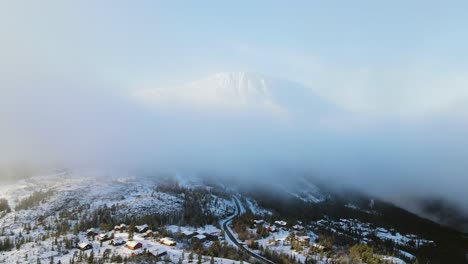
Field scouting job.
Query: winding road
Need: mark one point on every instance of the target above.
(234, 240)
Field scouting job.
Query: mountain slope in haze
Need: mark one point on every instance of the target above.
(348, 218)
(240, 91)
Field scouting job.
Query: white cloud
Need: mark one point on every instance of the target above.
(411, 89)
(405, 92)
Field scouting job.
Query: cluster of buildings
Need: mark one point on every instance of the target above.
(144, 242)
(298, 228)
(279, 224)
(272, 228)
(119, 241)
(200, 237)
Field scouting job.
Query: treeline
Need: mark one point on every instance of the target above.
(280, 258)
(198, 203)
(4, 207)
(34, 199)
(350, 239)
(107, 217)
(240, 225)
(219, 250)
(361, 252)
(6, 244)
(198, 207)
(107, 257)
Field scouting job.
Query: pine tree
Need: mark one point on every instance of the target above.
(91, 257)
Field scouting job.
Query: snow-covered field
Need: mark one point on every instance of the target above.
(77, 195)
(45, 227)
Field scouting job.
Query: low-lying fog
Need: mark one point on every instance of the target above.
(388, 111)
(61, 121)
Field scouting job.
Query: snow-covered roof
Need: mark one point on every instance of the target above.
(157, 252)
(318, 246)
(188, 232)
(167, 241)
(132, 243)
(281, 223)
(83, 244)
(121, 226)
(94, 230)
(141, 227)
(200, 237)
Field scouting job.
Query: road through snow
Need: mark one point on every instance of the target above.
(232, 239)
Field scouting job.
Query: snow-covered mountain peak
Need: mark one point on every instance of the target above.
(242, 81)
(238, 91)
(240, 86)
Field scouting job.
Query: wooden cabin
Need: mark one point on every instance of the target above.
(84, 246)
(167, 241)
(141, 228)
(133, 245)
(117, 242)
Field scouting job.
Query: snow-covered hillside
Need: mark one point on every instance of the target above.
(76, 216)
(49, 215)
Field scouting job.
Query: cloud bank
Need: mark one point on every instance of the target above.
(381, 106)
(57, 119)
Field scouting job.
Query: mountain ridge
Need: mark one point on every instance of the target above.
(239, 90)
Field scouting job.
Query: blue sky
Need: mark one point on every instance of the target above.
(368, 56)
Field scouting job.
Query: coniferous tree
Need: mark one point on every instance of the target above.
(91, 257)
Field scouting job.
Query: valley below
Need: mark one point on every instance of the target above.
(89, 217)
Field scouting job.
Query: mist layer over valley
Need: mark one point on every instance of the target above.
(233, 125)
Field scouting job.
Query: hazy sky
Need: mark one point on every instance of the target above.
(399, 69)
(394, 57)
